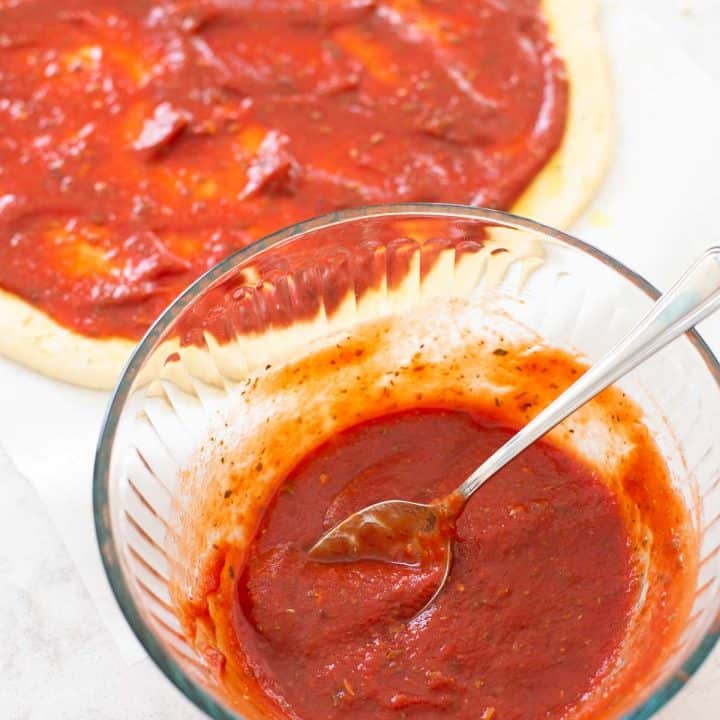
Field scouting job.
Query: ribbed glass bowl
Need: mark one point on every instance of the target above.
(266, 303)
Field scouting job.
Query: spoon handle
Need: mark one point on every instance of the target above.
(691, 299)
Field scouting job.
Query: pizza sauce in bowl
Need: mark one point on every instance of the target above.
(571, 567)
(522, 626)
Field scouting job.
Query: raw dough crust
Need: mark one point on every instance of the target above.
(564, 187)
(556, 197)
(30, 337)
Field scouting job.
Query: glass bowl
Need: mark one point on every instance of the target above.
(321, 277)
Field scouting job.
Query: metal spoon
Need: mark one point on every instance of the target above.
(415, 534)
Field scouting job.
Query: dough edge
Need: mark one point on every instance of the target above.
(565, 186)
(557, 196)
(32, 338)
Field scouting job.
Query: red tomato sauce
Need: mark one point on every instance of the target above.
(535, 608)
(141, 142)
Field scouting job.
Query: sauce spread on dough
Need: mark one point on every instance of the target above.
(141, 142)
(523, 625)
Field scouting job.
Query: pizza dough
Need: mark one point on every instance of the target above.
(562, 190)
(556, 197)
(33, 338)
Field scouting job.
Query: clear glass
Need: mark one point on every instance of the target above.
(569, 293)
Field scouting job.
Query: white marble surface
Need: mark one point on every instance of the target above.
(58, 659)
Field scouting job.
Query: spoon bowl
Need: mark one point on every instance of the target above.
(393, 531)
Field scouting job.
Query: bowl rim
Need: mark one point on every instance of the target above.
(103, 527)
